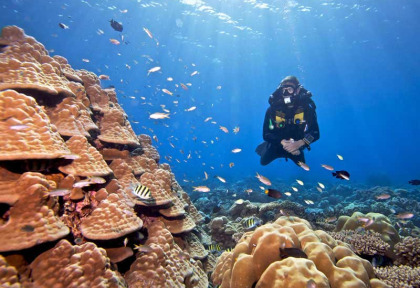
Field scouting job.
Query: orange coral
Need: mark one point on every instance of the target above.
(31, 220)
(177, 226)
(115, 127)
(110, 220)
(26, 132)
(8, 275)
(166, 265)
(74, 266)
(72, 118)
(147, 147)
(256, 259)
(90, 162)
(25, 64)
(176, 210)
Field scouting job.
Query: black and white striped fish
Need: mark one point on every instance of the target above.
(141, 192)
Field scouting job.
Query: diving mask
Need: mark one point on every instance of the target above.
(288, 94)
(287, 90)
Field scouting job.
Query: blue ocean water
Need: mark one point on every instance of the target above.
(359, 59)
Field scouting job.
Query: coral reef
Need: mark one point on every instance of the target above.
(380, 224)
(51, 188)
(363, 242)
(408, 252)
(399, 276)
(288, 253)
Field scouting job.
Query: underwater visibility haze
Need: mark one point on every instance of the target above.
(196, 75)
(358, 58)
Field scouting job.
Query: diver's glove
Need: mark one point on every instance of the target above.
(292, 146)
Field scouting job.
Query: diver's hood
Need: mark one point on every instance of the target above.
(276, 99)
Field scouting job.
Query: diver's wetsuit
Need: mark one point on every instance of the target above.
(282, 122)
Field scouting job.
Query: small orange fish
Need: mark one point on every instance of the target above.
(201, 189)
(263, 179)
(148, 32)
(114, 41)
(330, 219)
(303, 165)
(104, 77)
(184, 86)
(383, 197)
(328, 167)
(224, 129)
(167, 91)
(236, 130)
(231, 164)
(405, 215)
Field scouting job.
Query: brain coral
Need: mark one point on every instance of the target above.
(256, 260)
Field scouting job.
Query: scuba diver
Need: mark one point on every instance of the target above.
(290, 123)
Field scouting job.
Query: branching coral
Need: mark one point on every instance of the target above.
(408, 252)
(363, 242)
(399, 276)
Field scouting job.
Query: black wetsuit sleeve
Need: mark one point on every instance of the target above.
(312, 133)
(269, 135)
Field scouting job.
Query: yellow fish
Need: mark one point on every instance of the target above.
(340, 157)
(300, 182)
(295, 189)
(321, 185)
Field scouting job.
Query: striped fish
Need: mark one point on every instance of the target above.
(214, 247)
(141, 192)
(251, 223)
